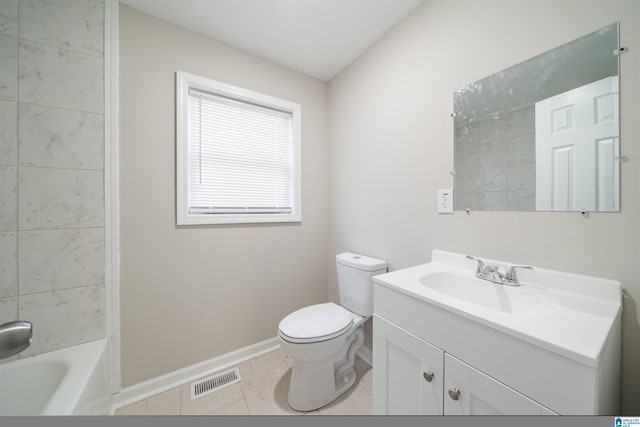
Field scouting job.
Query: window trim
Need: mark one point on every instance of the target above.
(185, 81)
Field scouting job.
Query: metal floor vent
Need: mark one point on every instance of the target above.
(214, 383)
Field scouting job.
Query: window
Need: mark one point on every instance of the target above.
(238, 154)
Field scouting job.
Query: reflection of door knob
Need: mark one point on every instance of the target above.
(454, 394)
(428, 376)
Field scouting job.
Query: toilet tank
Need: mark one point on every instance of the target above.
(355, 282)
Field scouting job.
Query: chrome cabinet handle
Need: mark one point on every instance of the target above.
(428, 376)
(454, 394)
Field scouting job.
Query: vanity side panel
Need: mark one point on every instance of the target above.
(561, 384)
(609, 374)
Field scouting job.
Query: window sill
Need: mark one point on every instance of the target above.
(237, 219)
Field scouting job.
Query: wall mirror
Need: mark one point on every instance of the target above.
(542, 135)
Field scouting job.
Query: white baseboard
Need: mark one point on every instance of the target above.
(174, 379)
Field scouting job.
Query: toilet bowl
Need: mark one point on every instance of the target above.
(323, 364)
(323, 339)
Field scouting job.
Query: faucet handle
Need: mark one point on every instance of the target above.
(511, 272)
(480, 268)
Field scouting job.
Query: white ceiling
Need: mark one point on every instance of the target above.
(316, 37)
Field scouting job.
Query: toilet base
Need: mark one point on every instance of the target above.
(325, 388)
(316, 383)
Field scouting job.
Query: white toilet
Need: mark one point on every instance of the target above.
(323, 339)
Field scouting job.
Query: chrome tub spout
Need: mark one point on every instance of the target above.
(15, 337)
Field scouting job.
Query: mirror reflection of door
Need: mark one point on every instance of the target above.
(577, 149)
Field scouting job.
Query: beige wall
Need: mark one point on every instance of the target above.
(384, 147)
(192, 293)
(391, 148)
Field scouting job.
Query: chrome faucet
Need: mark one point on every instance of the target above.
(495, 274)
(15, 337)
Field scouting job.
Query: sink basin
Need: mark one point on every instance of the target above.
(506, 299)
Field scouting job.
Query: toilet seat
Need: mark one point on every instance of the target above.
(316, 323)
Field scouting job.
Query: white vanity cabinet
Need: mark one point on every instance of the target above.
(414, 377)
(446, 343)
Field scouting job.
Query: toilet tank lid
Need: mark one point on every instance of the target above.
(360, 262)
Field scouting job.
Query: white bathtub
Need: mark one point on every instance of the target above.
(74, 380)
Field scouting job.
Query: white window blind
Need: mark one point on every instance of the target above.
(240, 157)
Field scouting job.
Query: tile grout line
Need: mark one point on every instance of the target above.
(65, 289)
(244, 398)
(243, 381)
(18, 34)
(58, 107)
(60, 168)
(63, 47)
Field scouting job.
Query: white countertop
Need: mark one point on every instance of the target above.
(575, 320)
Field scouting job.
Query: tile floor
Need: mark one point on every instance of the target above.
(262, 391)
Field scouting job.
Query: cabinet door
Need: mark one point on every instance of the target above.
(470, 392)
(408, 373)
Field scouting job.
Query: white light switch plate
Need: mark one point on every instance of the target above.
(445, 200)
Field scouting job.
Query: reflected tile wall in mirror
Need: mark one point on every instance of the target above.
(495, 162)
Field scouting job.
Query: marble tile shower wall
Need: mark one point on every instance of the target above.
(51, 169)
(494, 163)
